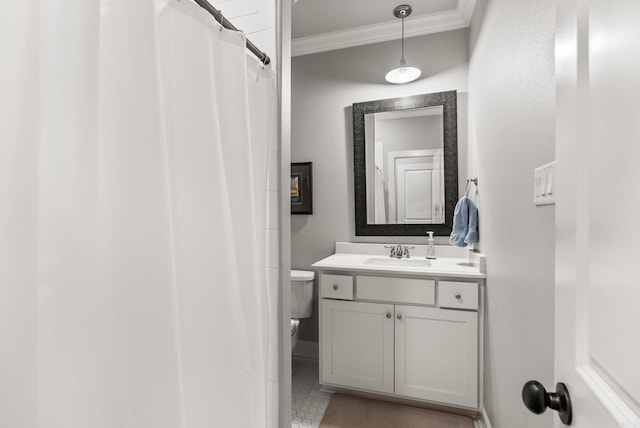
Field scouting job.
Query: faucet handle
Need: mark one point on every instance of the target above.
(405, 251)
(392, 253)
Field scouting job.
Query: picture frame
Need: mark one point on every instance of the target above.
(301, 188)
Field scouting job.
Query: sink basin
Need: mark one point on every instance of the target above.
(388, 261)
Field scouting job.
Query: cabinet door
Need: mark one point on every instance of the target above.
(357, 345)
(437, 355)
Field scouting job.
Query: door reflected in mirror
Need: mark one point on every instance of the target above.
(405, 166)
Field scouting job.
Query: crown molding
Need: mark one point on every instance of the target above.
(421, 25)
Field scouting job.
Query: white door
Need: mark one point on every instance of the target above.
(437, 355)
(415, 186)
(597, 346)
(357, 345)
(414, 197)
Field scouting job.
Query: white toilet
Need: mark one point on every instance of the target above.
(301, 300)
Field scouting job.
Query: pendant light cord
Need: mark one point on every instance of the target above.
(402, 60)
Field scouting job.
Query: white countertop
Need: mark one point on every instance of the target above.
(470, 266)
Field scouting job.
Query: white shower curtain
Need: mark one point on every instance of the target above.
(133, 170)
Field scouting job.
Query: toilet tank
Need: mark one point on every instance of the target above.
(301, 293)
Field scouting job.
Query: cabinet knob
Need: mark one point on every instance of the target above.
(388, 315)
(399, 316)
(458, 296)
(335, 286)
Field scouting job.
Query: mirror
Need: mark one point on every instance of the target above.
(406, 164)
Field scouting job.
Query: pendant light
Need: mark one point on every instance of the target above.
(402, 74)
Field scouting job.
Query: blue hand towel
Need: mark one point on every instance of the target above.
(472, 234)
(465, 223)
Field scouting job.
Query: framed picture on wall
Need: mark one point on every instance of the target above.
(301, 188)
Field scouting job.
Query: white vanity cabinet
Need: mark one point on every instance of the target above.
(410, 337)
(436, 355)
(357, 345)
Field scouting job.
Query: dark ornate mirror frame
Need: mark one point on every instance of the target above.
(450, 119)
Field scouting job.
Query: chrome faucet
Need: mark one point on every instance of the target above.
(399, 251)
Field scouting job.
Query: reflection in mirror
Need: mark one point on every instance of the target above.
(405, 171)
(406, 166)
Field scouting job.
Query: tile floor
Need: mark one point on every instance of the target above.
(308, 403)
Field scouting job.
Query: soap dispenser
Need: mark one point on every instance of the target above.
(431, 250)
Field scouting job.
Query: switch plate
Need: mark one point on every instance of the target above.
(543, 189)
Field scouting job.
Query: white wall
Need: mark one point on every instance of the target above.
(324, 86)
(512, 131)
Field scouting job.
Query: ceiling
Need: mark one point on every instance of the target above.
(323, 25)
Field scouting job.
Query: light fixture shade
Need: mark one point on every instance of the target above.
(403, 74)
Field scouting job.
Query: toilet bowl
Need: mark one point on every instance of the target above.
(301, 300)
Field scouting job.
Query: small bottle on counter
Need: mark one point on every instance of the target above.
(431, 250)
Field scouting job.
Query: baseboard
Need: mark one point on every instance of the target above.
(484, 421)
(307, 349)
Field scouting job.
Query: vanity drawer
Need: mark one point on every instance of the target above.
(458, 295)
(336, 286)
(396, 290)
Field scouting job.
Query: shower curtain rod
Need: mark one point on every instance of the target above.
(226, 24)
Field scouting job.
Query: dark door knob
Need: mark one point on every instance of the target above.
(537, 399)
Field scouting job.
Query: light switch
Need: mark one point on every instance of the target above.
(543, 184)
(549, 183)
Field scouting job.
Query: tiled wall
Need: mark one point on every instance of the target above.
(273, 263)
(256, 18)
